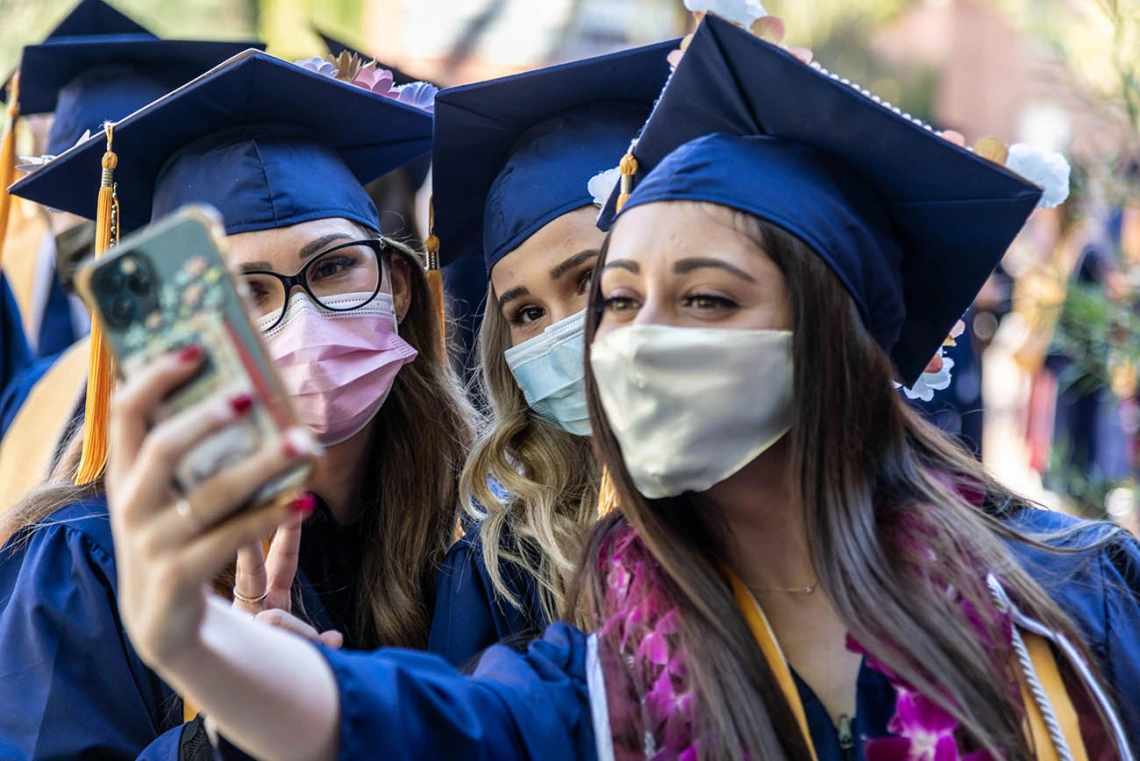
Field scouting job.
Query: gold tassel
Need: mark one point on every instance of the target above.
(100, 374)
(435, 278)
(8, 158)
(607, 494)
(628, 169)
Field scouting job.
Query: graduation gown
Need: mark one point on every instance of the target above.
(15, 354)
(547, 702)
(71, 685)
(470, 615)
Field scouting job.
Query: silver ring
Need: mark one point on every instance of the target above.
(249, 600)
(182, 507)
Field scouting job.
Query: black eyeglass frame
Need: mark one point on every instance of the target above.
(300, 278)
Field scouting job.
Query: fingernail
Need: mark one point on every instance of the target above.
(190, 353)
(241, 403)
(299, 442)
(305, 503)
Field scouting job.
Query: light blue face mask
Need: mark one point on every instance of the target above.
(550, 371)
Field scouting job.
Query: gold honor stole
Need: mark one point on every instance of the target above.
(1039, 650)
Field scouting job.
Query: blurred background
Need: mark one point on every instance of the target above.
(1045, 378)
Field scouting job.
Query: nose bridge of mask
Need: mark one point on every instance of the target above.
(551, 361)
(300, 303)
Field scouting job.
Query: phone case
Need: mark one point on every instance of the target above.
(168, 286)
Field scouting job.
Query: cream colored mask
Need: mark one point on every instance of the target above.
(692, 406)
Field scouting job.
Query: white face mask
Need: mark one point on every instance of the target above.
(692, 406)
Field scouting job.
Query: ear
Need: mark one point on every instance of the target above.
(401, 274)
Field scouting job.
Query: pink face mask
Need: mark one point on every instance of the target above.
(338, 367)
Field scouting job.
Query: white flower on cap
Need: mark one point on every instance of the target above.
(928, 383)
(741, 12)
(1047, 169)
(602, 185)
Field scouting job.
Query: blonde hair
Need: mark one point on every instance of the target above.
(419, 441)
(550, 478)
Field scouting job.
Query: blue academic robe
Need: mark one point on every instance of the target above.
(71, 684)
(536, 705)
(56, 330)
(14, 352)
(18, 388)
(470, 615)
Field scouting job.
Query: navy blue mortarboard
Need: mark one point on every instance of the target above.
(266, 142)
(91, 18)
(911, 224)
(88, 80)
(512, 154)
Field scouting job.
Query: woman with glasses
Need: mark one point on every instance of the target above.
(521, 191)
(801, 568)
(346, 314)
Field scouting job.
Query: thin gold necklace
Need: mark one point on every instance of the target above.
(793, 591)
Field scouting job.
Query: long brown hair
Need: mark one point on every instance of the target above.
(419, 443)
(550, 478)
(883, 518)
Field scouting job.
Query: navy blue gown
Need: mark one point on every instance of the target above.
(537, 704)
(15, 354)
(470, 615)
(71, 685)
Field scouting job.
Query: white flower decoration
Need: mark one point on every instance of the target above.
(741, 12)
(1047, 169)
(28, 163)
(928, 383)
(602, 186)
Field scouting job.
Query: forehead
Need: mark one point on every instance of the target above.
(563, 236)
(670, 229)
(282, 244)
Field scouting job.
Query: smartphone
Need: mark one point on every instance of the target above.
(168, 286)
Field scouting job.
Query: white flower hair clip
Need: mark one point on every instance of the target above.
(936, 377)
(743, 13)
(602, 184)
(31, 163)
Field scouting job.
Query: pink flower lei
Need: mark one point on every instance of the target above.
(369, 76)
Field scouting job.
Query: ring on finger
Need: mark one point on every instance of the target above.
(183, 508)
(249, 600)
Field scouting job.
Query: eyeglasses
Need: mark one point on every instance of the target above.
(340, 279)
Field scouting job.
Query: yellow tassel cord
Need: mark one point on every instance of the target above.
(100, 375)
(628, 169)
(8, 158)
(435, 278)
(607, 494)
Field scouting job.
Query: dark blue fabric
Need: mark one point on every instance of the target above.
(341, 136)
(512, 154)
(74, 686)
(399, 704)
(262, 178)
(470, 615)
(90, 18)
(951, 213)
(56, 329)
(19, 386)
(14, 353)
(537, 705)
(71, 684)
(75, 77)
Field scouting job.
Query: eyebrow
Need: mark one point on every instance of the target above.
(314, 247)
(511, 295)
(625, 264)
(573, 261)
(685, 266)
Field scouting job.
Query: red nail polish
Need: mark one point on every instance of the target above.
(190, 353)
(305, 503)
(241, 403)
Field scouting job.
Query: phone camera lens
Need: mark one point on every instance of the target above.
(123, 310)
(138, 282)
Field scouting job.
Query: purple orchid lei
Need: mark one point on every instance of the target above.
(369, 76)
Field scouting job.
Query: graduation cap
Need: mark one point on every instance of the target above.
(268, 143)
(512, 154)
(417, 169)
(90, 18)
(90, 79)
(910, 223)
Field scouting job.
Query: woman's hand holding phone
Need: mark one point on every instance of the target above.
(170, 546)
(263, 583)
